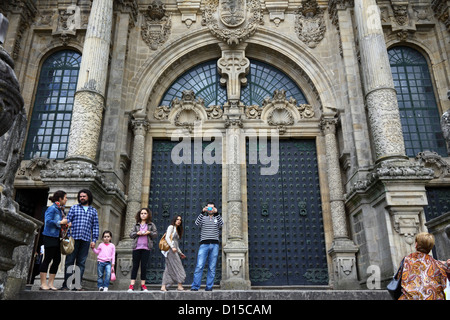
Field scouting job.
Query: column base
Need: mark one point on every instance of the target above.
(124, 263)
(236, 275)
(343, 254)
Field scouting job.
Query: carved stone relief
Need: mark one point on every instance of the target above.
(279, 111)
(157, 24)
(187, 111)
(232, 21)
(309, 23)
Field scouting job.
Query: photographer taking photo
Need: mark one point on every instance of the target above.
(210, 222)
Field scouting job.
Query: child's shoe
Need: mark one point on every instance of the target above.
(130, 288)
(144, 288)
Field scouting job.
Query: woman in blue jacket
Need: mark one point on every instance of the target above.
(54, 220)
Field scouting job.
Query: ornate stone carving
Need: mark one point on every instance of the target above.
(76, 171)
(67, 23)
(385, 122)
(441, 9)
(32, 169)
(435, 162)
(401, 14)
(309, 23)
(395, 170)
(187, 111)
(157, 24)
(233, 66)
(86, 124)
(232, 21)
(280, 112)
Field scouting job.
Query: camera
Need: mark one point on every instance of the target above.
(209, 208)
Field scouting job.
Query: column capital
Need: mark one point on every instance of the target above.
(328, 124)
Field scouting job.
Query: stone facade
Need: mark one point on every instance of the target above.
(373, 195)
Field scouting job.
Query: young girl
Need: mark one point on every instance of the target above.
(106, 252)
(143, 233)
(174, 271)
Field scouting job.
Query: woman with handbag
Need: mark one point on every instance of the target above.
(55, 220)
(174, 271)
(423, 277)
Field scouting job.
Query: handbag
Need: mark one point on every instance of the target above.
(395, 286)
(113, 275)
(163, 245)
(67, 243)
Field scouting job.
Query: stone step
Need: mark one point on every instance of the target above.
(216, 295)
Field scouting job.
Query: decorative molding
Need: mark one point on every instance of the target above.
(157, 25)
(309, 23)
(280, 112)
(186, 112)
(276, 11)
(232, 21)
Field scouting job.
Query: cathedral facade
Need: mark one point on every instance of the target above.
(314, 126)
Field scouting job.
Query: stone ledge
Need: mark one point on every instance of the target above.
(215, 295)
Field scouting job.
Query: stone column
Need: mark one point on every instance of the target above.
(90, 96)
(380, 93)
(140, 125)
(343, 250)
(234, 66)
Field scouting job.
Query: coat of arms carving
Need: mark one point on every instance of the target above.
(309, 23)
(156, 25)
(232, 21)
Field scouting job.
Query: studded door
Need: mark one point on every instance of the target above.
(286, 237)
(181, 189)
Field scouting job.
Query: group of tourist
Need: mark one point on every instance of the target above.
(423, 277)
(81, 223)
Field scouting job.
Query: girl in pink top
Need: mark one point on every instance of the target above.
(106, 252)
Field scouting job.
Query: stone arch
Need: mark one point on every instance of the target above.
(158, 72)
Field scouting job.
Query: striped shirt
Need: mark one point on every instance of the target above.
(209, 228)
(84, 223)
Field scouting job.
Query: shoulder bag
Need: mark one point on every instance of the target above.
(67, 243)
(395, 286)
(163, 245)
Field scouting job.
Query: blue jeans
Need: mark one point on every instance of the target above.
(103, 274)
(210, 252)
(78, 256)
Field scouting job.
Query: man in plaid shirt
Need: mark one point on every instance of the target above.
(84, 230)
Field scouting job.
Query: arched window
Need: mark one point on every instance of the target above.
(48, 134)
(417, 102)
(262, 79)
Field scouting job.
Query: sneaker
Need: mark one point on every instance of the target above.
(131, 288)
(100, 289)
(144, 288)
(105, 289)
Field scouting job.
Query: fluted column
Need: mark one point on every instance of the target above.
(139, 125)
(334, 178)
(380, 93)
(90, 96)
(343, 250)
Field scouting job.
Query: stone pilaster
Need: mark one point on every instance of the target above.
(89, 98)
(343, 250)
(236, 273)
(139, 124)
(380, 93)
(233, 66)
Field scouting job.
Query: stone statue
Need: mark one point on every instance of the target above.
(445, 122)
(17, 229)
